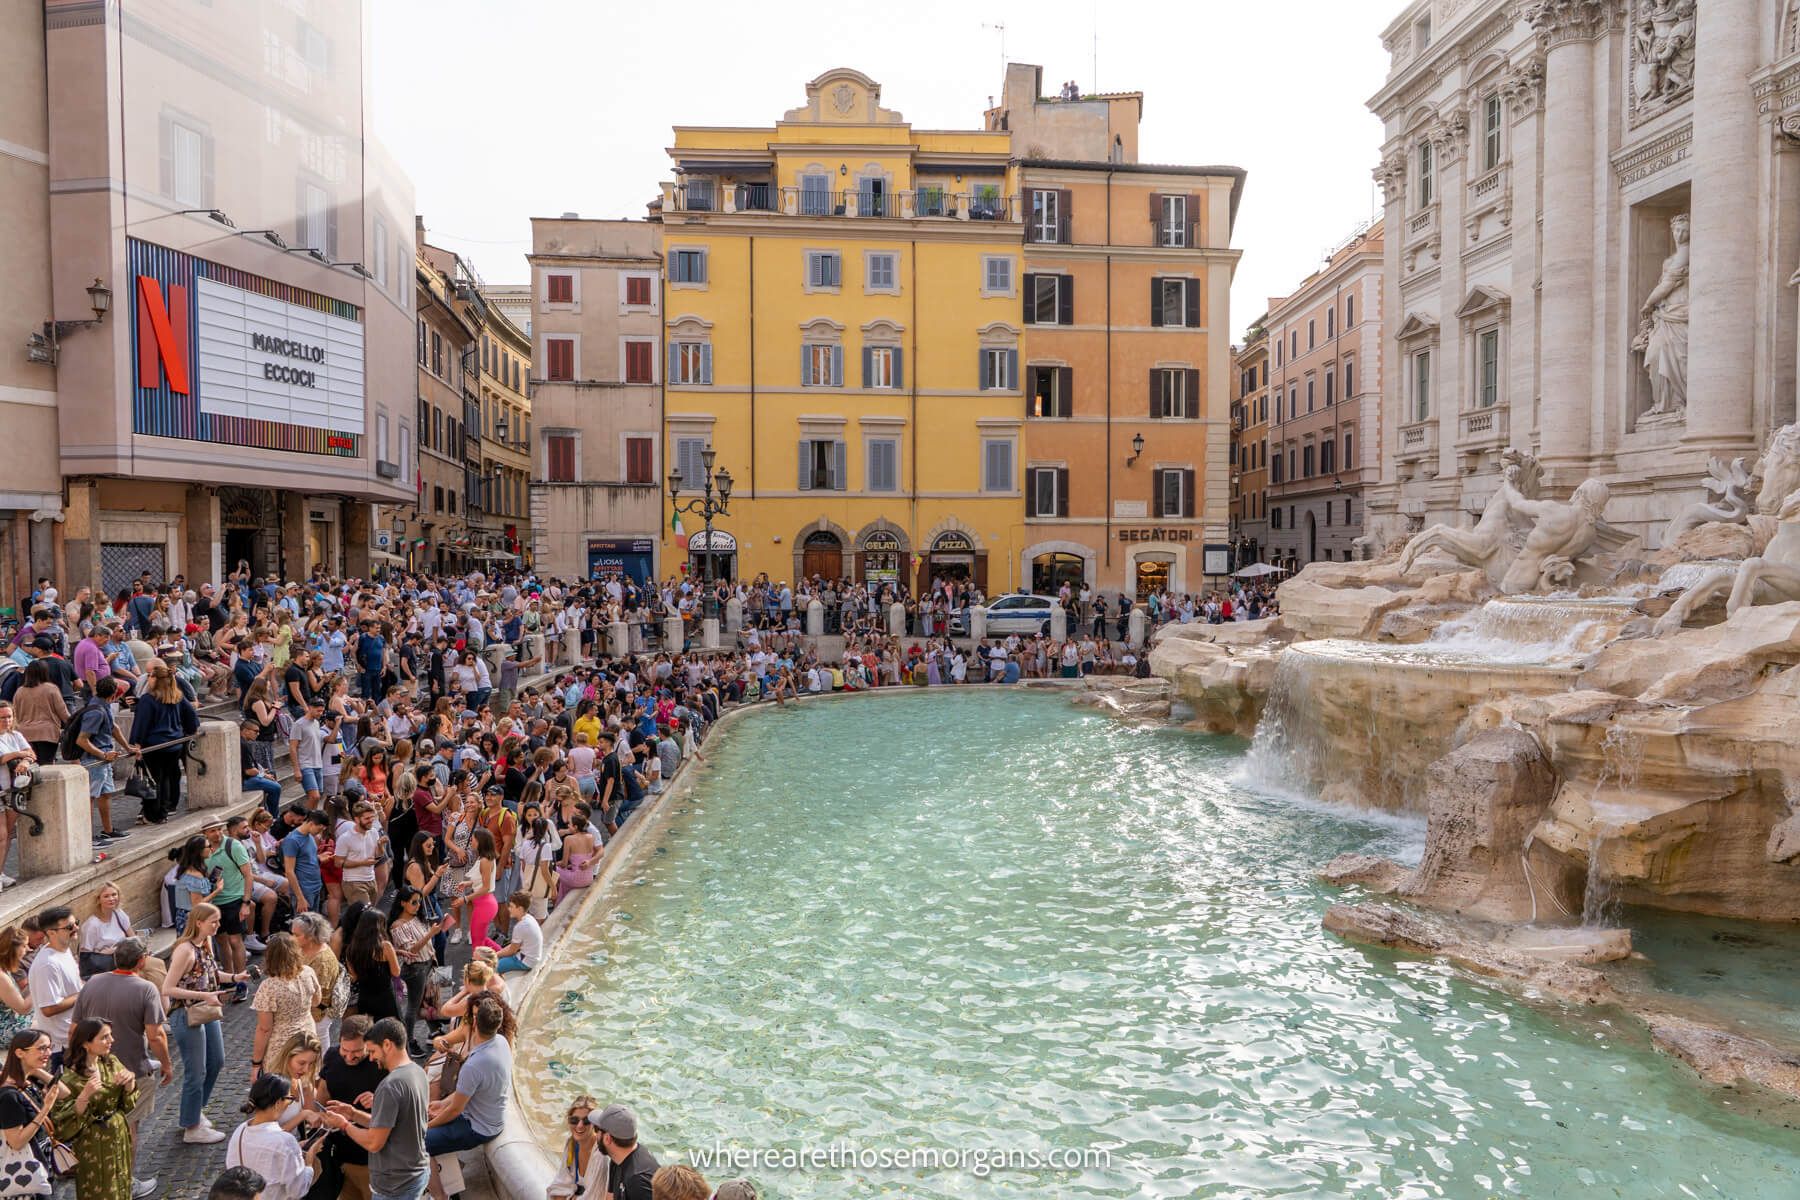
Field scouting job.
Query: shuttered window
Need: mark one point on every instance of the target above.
(1049, 219)
(821, 365)
(881, 367)
(689, 464)
(1052, 392)
(997, 369)
(997, 465)
(824, 269)
(559, 456)
(690, 362)
(884, 465)
(1174, 492)
(823, 465)
(559, 359)
(1046, 491)
(638, 358)
(562, 289)
(687, 266)
(637, 290)
(1175, 303)
(1174, 392)
(639, 467)
(1049, 299)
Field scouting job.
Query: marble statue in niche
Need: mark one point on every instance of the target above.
(1662, 336)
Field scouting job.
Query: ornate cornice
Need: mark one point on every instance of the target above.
(1560, 21)
(1657, 154)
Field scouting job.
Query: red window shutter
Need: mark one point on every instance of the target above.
(637, 362)
(561, 353)
(562, 289)
(561, 457)
(637, 460)
(637, 289)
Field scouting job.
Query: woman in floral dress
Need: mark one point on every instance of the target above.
(91, 1116)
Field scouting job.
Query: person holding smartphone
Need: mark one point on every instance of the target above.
(194, 990)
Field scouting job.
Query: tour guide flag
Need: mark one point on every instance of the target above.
(680, 533)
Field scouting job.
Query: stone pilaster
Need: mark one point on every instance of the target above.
(1567, 30)
(1724, 255)
(201, 544)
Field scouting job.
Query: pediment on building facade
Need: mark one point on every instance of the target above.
(882, 330)
(689, 325)
(998, 332)
(1483, 299)
(843, 96)
(822, 329)
(1417, 326)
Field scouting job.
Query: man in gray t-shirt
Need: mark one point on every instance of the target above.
(393, 1132)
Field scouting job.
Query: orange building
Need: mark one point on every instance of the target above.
(1126, 365)
(1250, 448)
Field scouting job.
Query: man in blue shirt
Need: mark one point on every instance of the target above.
(300, 861)
(371, 658)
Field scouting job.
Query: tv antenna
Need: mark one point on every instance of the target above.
(1000, 28)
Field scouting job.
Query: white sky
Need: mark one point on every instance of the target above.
(502, 110)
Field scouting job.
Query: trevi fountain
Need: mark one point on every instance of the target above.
(1598, 739)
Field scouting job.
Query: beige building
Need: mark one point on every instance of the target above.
(31, 494)
(247, 396)
(1250, 446)
(597, 463)
(432, 533)
(1324, 362)
(1592, 237)
(506, 432)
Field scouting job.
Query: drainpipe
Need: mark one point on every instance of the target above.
(752, 371)
(912, 399)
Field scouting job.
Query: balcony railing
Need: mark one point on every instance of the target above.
(1480, 427)
(706, 196)
(1419, 440)
(1422, 224)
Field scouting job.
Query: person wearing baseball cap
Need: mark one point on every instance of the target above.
(632, 1165)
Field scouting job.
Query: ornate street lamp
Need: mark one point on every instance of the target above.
(713, 501)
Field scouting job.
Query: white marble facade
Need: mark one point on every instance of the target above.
(1594, 229)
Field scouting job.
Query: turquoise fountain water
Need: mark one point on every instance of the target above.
(996, 922)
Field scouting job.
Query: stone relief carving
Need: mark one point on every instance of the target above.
(1662, 336)
(1732, 486)
(1662, 53)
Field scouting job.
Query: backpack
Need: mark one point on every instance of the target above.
(68, 746)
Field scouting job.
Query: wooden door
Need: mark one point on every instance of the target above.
(824, 561)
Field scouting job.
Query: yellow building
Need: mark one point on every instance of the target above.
(842, 326)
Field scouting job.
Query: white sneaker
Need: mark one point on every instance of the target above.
(457, 937)
(141, 1188)
(206, 1122)
(254, 944)
(7, 880)
(201, 1135)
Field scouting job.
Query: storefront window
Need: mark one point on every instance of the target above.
(1050, 571)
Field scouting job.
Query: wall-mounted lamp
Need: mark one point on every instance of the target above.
(268, 235)
(355, 268)
(312, 251)
(211, 213)
(1137, 449)
(44, 347)
(842, 169)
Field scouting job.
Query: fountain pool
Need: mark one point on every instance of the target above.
(998, 921)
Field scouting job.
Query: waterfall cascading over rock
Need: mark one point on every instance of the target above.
(1359, 722)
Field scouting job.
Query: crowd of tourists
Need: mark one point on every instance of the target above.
(444, 801)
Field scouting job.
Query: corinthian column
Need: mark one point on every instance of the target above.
(1724, 256)
(1566, 29)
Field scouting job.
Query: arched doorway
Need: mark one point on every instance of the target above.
(821, 554)
(1312, 538)
(953, 555)
(1050, 571)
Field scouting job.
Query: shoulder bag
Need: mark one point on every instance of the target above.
(22, 1172)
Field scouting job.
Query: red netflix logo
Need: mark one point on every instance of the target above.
(162, 333)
